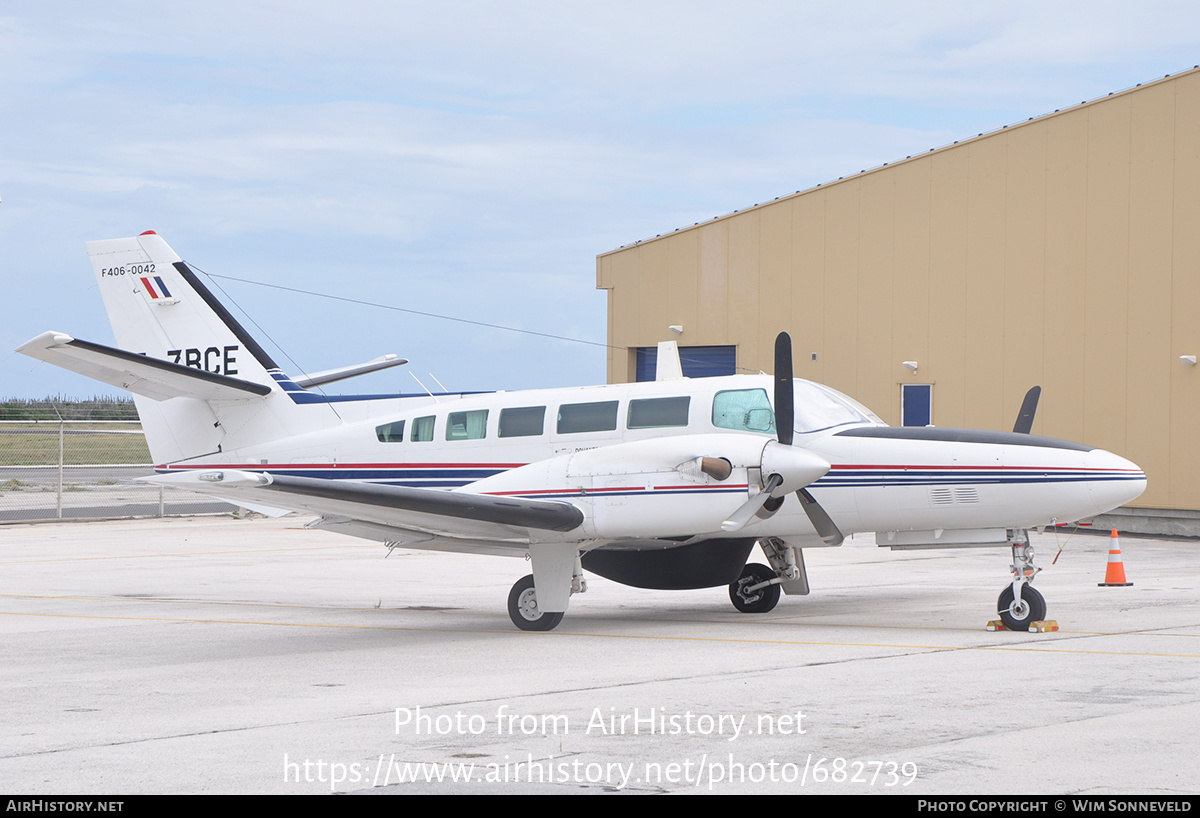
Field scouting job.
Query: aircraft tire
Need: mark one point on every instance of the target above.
(760, 601)
(523, 610)
(1033, 609)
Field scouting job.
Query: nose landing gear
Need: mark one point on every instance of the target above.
(1020, 604)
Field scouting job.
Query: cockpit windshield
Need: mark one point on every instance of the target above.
(818, 407)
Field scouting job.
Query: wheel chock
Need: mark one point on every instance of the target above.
(1038, 626)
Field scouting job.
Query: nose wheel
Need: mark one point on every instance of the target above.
(1017, 614)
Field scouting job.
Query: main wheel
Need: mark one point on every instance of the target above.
(523, 608)
(1017, 617)
(760, 601)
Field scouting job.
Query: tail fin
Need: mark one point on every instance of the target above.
(158, 307)
(202, 384)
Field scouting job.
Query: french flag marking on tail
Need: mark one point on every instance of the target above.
(156, 292)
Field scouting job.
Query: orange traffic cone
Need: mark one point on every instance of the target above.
(1115, 576)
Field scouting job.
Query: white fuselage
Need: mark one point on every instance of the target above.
(627, 454)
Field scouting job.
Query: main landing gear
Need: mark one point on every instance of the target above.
(754, 591)
(1019, 603)
(523, 608)
(757, 589)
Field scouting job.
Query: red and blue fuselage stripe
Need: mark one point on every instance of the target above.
(898, 476)
(454, 475)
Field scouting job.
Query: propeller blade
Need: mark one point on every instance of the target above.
(798, 464)
(791, 468)
(827, 530)
(738, 519)
(1028, 410)
(784, 396)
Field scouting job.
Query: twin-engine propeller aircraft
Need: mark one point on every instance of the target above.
(664, 485)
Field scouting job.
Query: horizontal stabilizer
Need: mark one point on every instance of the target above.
(140, 374)
(342, 373)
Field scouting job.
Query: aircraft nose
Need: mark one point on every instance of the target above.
(1114, 481)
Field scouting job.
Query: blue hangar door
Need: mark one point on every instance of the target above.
(698, 362)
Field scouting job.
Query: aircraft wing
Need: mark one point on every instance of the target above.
(397, 513)
(140, 374)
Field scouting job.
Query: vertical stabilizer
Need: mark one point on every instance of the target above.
(159, 307)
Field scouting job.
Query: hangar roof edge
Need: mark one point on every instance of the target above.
(886, 165)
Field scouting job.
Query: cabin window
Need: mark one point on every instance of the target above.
(587, 417)
(658, 413)
(422, 429)
(522, 421)
(390, 432)
(746, 410)
(467, 425)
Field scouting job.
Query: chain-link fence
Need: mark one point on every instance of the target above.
(67, 469)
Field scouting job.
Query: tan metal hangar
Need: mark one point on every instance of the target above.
(1062, 251)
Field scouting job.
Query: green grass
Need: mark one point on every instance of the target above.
(41, 449)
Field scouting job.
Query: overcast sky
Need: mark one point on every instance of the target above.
(472, 158)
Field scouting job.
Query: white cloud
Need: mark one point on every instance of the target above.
(479, 154)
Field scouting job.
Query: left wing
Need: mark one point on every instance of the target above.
(467, 522)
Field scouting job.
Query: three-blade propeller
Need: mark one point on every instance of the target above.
(784, 468)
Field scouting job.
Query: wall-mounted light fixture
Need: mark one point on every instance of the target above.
(676, 328)
(910, 365)
(1190, 360)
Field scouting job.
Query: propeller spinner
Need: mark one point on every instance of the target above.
(786, 469)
